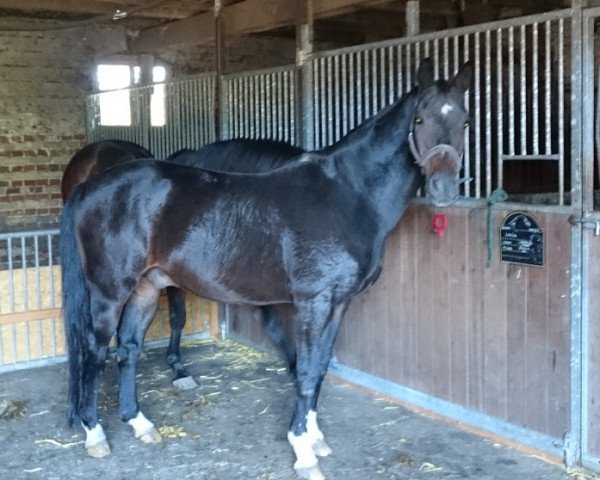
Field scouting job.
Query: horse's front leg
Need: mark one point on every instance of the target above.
(315, 332)
(137, 315)
(183, 380)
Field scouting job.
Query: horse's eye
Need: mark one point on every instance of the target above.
(418, 120)
(467, 124)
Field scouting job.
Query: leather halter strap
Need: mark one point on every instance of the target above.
(442, 148)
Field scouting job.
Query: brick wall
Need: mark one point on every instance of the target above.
(43, 80)
(44, 77)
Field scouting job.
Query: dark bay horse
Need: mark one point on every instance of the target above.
(238, 155)
(310, 234)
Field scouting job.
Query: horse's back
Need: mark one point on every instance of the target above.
(234, 238)
(96, 157)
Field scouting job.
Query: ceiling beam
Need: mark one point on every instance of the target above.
(91, 7)
(196, 30)
(249, 16)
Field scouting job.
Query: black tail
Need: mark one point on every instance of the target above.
(76, 304)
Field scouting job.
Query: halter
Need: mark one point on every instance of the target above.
(442, 148)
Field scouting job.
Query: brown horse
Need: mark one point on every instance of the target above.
(310, 234)
(240, 155)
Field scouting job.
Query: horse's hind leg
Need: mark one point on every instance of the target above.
(183, 380)
(136, 317)
(95, 347)
(276, 333)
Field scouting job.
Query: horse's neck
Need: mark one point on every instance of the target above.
(376, 161)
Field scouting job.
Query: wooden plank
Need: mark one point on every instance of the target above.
(394, 321)
(537, 339)
(410, 295)
(496, 334)
(258, 15)
(9, 318)
(593, 412)
(241, 18)
(442, 271)
(517, 344)
(196, 30)
(86, 6)
(558, 261)
(476, 308)
(425, 310)
(458, 258)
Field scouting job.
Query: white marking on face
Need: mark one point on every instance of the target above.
(446, 109)
(141, 425)
(305, 158)
(94, 436)
(302, 445)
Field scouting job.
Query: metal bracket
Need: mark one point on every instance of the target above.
(586, 223)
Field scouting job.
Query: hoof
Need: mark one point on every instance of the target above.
(151, 436)
(185, 383)
(321, 448)
(310, 473)
(98, 450)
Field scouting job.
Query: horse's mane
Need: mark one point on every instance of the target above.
(239, 155)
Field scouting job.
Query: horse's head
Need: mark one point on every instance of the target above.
(436, 138)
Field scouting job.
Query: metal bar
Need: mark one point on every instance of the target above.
(547, 89)
(561, 111)
(505, 23)
(588, 147)
(323, 105)
(554, 157)
(359, 89)
(316, 100)
(337, 108)
(535, 87)
(499, 108)
(345, 124)
(375, 89)
(539, 441)
(572, 452)
(511, 91)
(488, 114)
(352, 83)
(477, 94)
(523, 91)
(469, 131)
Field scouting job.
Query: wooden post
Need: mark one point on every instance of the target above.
(219, 68)
(304, 50)
(413, 23)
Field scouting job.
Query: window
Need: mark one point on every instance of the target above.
(115, 107)
(158, 116)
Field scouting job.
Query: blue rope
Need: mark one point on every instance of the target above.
(497, 196)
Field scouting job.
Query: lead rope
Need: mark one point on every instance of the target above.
(497, 196)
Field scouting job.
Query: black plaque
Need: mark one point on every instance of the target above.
(522, 240)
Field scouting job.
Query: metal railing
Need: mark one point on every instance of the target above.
(260, 104)
(30, 297)
(517, 101)
(164, 117)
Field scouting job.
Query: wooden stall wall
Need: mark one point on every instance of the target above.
(593, 352)
(439, 321)
(495, 340)
(31, 326)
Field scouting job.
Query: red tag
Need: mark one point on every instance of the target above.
(440, 223)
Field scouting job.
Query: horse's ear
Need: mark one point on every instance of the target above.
(464, 78)
(425, 75)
